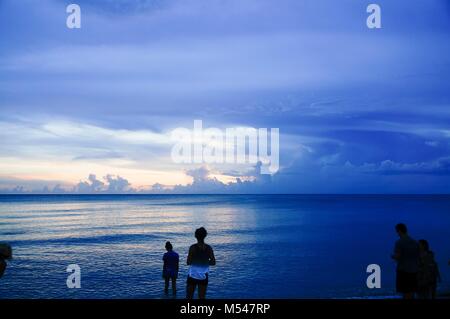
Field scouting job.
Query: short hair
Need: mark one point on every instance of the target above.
(424, 244)
(169, 246)
(201, 233)
(401, 228)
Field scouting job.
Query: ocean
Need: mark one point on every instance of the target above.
(266, 246)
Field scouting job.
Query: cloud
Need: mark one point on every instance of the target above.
(47, 145)
(439, 167)
(111, 184)
(199, 174)
(308, 175)
(191, 54)
(117, 184)
(58, 189)
(203, 183)
(14, 190)
(22, 185)
(92, 185)
(122, 7)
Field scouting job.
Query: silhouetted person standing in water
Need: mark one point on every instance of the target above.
(406, 253)
(200, 257)
(170, 268)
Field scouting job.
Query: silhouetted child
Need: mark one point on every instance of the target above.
(170, 268)
(428, 274)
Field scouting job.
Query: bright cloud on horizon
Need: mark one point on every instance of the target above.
(59, 153)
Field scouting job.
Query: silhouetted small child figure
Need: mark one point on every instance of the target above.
(429, 275)
(170, 268)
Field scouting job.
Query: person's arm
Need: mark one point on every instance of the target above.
(212, 258)
(189, 257)
(178, 263)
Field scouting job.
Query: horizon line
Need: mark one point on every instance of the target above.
(224, 194)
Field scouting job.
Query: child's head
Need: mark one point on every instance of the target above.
(169, 246)
(423, 245)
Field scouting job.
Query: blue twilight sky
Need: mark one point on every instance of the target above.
(359, 110)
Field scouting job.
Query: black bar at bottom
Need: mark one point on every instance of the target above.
(228, 308)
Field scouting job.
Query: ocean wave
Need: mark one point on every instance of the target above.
(103, 239)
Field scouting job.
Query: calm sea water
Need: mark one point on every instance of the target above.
(267, 246)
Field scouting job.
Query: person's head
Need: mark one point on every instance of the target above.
(424, 246)
(401, 229)
(169, 246)
(200, 234)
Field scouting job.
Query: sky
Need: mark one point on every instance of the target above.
(91, 110)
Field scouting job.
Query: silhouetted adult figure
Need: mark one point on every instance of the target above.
(406, 253)
(170, 268)
(200, 257)
(429, 274)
